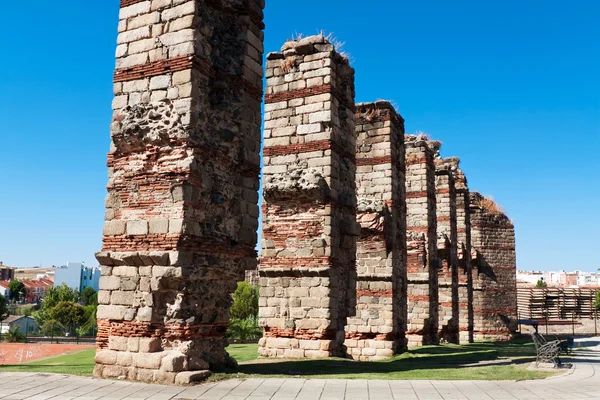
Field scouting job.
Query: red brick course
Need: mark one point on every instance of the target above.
(168, 331)
(303, 334)
(374, 293)
(181, 64)
(302, 93)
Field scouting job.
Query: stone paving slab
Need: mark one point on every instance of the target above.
(582, 383)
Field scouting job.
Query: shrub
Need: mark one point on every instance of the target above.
(14, 336)
(541, 284)
(244, 329)
(490, 206)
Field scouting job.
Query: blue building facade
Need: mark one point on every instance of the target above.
(77, 276)
(90, 276)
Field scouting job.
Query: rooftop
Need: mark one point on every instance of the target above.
(12, 318)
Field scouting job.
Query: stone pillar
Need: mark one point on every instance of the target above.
(377, 322)
(252, 277)
(494, 273)
(465, 270)
(422, 262)
(309, 209)
(181, 210)
(447, 251)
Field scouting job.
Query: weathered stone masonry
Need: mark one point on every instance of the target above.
(422, 262)
(182, 214)
(377, 323)
(465, 270)
(494, 280)
(447, 252)
(181, 209)
(309, 209)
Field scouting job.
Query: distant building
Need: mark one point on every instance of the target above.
(26, 324)
(529, 278)
(555, 278)
(36, 289)
(6, 273)
(34, 273)
(586, 278)
(560, 279)
(4, 288)
(77, 276)
(571, 279)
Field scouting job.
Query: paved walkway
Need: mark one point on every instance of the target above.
(583, 383)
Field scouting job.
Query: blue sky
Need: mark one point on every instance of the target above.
(510, 87)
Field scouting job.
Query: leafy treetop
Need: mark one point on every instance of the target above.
(17, 290)
(57, 294)
(89, 296)
(245, 301)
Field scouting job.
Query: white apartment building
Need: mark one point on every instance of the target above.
(559, 278)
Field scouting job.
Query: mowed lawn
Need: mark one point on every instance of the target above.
(78, 363)
(446, 362)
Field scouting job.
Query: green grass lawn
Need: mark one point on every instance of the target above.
(80, 363)
(428, 362)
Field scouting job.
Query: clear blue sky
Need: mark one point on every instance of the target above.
(511, 87)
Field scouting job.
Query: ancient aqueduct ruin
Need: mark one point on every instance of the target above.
(371, 241)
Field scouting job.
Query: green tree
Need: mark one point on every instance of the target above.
(90, 324)
(17, 290)
(54, 296)
(89, 296)
(597, 301)
(57, 294)
(41, 317)
(541, 284)
(245, 301)
(3, 308)
(52, 328)
(68, 314)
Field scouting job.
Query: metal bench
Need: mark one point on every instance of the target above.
(566, 346)
(546, 351)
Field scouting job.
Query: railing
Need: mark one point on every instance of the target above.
(56, 334)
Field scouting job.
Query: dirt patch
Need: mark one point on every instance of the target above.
(15, 353)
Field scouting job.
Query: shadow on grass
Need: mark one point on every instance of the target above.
(423, 358)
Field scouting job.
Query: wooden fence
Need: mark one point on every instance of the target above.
(556, 303)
